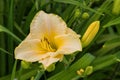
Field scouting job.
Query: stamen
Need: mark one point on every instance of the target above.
(46, 45)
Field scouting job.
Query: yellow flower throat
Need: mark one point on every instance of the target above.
(47, 46)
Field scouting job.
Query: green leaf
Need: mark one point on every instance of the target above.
(118, 28)
(28, 74)
(71, 71)
(65, 14)
(112, 22)
(106, 37)
(105, 61)
(109, 45)
(117, 56)
(68, 2)
(3, 29)
(101, 9)
(24, 76)
(77, 3)
(19, 29)
(29, 19)
(3, 50)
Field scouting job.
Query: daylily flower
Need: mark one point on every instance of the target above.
(48, 41)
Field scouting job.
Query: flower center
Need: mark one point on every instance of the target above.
(47, 46)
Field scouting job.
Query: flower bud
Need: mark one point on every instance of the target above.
(116, 7)
(51, 67)
(25, 64)
(90, 33)
(80, 72)
(88, 70)
(85, 15)
(77, 13)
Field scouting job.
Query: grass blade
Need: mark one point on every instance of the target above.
(3, 29)
(112, 22)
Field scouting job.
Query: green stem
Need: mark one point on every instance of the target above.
(39, 74)
(20, 73)
(14, 70)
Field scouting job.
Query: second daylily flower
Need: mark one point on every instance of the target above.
(48, 41)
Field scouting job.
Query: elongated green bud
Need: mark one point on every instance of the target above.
(116, 7)
(90, 33)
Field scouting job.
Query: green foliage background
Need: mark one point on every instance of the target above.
(103, 54)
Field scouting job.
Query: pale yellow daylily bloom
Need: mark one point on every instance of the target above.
(48, 41)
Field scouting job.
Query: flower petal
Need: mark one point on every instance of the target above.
(68, 44)
(48, 25)
(48, 61)
(71, 32)
(29, 50)
(53, 57)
